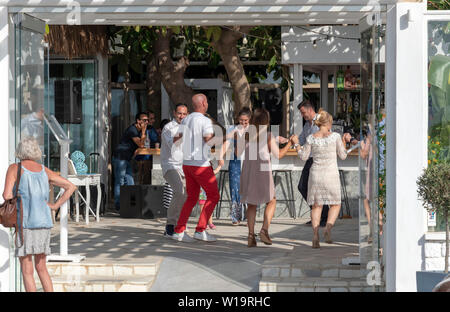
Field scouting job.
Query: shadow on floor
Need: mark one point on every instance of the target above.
(226, 265)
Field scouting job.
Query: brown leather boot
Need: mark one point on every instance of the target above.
(251, 240)
(264, 237)
(316, 239)
(327, 234)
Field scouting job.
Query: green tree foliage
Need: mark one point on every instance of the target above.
(135, 44)
(438, 4)
(197, 44)
(433, 189)
(263, 43)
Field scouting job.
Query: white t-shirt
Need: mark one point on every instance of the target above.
(171, 153)
(195, 150)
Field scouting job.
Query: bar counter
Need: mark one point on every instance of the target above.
(292, 163)
(289, 162)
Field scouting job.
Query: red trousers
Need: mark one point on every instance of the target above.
(196, 177)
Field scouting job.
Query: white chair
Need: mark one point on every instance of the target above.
(85, 180)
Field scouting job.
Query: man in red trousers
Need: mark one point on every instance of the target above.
(198, 137)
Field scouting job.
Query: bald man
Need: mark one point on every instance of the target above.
(198, 137)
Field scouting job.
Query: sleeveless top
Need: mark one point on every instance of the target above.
(34, 193)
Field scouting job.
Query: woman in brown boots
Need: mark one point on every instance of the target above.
(324, 186)
(256, 184)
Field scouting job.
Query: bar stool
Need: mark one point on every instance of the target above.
(223, 174)
(345, 196)
(290, 190)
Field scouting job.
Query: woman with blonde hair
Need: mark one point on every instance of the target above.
(324, 186)
(37, 222)
(256, 183)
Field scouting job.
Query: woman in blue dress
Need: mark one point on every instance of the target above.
(234, 168)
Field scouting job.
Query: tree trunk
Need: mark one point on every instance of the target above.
(153, 84)
(226, 47)
(172, 73)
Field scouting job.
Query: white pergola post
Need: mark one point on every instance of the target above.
(297, 121)
(4, 129)
(406, 133)
(324, 90)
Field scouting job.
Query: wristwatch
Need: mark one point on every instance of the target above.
(296, 144)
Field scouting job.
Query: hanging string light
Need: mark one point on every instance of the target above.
(321, 37)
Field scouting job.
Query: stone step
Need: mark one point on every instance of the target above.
(102, 277)
(106, 269)
(100, 283)
(292, 261)
(316, 270)
(314, 284)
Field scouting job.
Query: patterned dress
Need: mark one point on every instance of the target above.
(202, 197)
(167, 195)
(324, 186)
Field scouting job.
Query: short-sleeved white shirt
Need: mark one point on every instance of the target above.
(171, 153)
(195, 150)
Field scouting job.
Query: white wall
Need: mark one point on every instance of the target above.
(406, 133)
(225, 104)
(434, 251)
(340, 51)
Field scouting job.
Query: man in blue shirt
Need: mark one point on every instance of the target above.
(133, 137)
(145, 162)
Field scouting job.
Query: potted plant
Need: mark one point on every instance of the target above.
(434, 190)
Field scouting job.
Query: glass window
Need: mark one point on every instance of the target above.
(29, 54)
(438, 98)
(76, 113)
(30, 79)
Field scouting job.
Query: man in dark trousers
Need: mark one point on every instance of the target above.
(309, 114)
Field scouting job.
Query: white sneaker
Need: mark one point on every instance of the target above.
(182, 237)
(204, 236)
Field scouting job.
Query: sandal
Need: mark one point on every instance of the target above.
(264, 237)
(251, 240)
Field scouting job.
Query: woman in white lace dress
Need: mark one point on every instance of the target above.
(324, 187)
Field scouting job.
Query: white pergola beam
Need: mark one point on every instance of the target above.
(283, 16)
(221, 3)
(87, 19)
(199, 20)
(200, 12)
(182, 10)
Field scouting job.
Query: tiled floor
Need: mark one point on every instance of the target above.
(228, 264)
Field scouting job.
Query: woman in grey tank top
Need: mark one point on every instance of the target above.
(37, 220)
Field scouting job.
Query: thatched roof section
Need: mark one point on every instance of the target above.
(77, 41)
